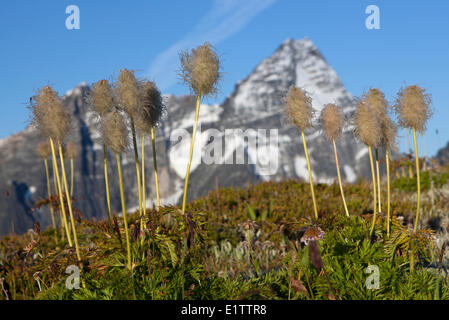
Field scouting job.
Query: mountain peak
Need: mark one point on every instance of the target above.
(295, 62)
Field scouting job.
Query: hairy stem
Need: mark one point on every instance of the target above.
(49, 197)
(198, 102)
(378, 181)
(136, 156)
(310, 174)
(71, 177)
(374, 191)
(155, 167)
(125, 222)
(339, 178)
(69, 202)
(61, 198)
(387, 160)
(418, 184)
(105, 163)
(143, 184)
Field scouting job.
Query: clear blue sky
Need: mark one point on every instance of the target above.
(412, 45)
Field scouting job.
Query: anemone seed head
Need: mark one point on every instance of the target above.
(49, 114)
(299, 108)
(44, 149)
(103, 98)
(71, 150)
(115, 133)
(127, 89)
(413, 107)
(376, 100)
(368, 125)
(389, 133)
(151, 106)
(200, 69)
(333, 120)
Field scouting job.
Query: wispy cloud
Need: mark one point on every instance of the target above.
(224, 19)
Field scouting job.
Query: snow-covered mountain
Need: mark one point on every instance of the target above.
(236, 125)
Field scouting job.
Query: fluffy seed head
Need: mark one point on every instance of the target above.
(299, 108)
(389, 133)
(44, 149)
(128, 91)
(103, 98)
(368, 126)
(49, 115)
(151, 106)
(71, 150)
(376, 101)
(333, 120)
(114, 131)
(413, 108)
(200, 69)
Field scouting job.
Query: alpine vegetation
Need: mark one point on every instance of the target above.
(368, 130)
(44, 151)
(127, 91)
(200, 69)
(103, 100)
(376, 100)
(71, 153)
(115, 136)
(300, 113)
(333, 120)
(147, 118)
(413, 110)
(54, 122)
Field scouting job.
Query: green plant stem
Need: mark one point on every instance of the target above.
(374, 191)
(106, 182)
(61, 198)
(125, 222)
(69, 202)
(49, 197)
(387, 160)
(71, 177)
(418, 184)
(339, 178)
(155, 167)
(198, 102)
(144, 212)
(136, 156)
(61, 219)
(378, 181)
(310, 174)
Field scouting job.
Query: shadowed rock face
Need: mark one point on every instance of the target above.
(256, 103)
(443, 155)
